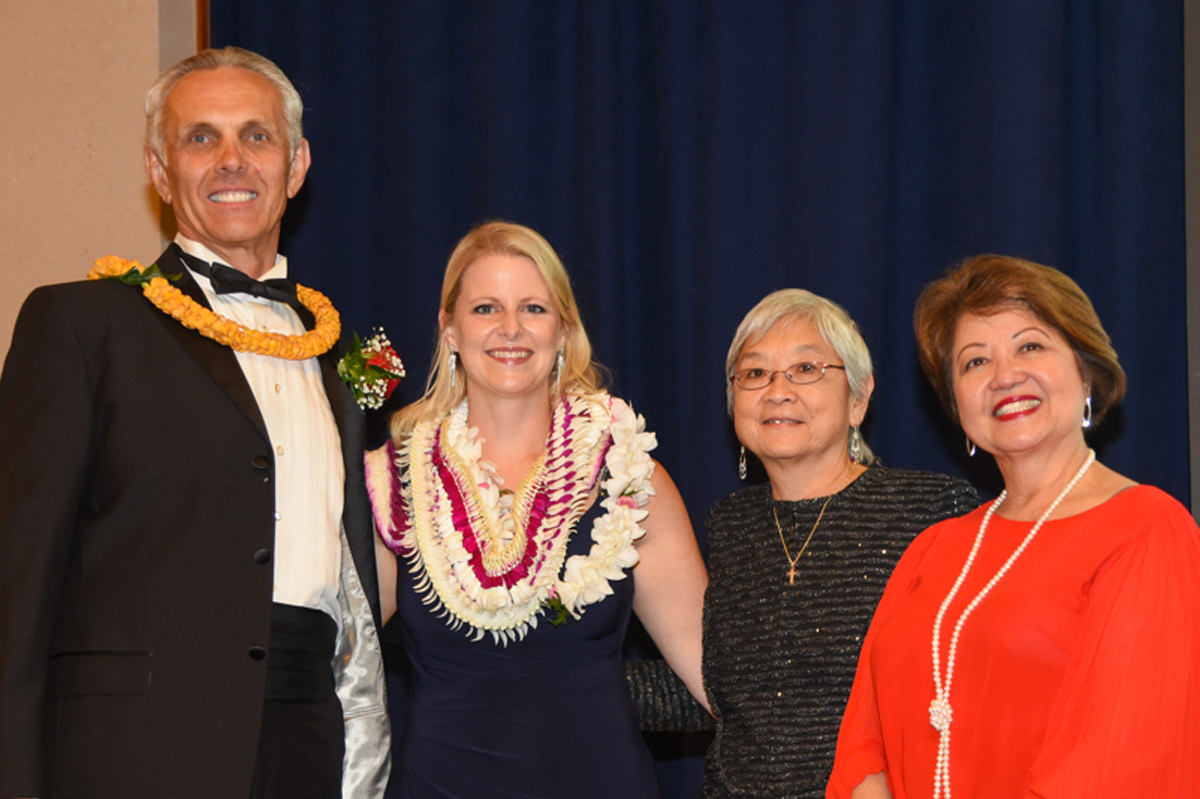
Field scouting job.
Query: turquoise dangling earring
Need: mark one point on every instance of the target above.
(856, 444)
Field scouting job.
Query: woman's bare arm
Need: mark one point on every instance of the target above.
(669, 599)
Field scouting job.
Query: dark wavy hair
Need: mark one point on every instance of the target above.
(988, 284)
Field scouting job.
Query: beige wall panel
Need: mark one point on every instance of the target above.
(73, 75)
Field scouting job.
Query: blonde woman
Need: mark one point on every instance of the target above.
(520, 521)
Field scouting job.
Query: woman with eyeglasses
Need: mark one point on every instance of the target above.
(798, 564)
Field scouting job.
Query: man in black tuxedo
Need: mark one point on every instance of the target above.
(188, 596)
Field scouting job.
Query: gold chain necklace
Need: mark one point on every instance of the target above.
(227, 332)
(793, 561)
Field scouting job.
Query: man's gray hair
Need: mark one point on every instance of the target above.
(156, 98)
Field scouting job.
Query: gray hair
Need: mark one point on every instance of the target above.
(156, 98)
(831, 321)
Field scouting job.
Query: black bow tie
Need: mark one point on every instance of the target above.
(227, 280)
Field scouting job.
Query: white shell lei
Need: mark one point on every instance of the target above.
(492, 571)
(940, 713)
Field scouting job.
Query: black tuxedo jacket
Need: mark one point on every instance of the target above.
(137, 505)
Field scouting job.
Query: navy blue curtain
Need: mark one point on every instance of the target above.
(686, 158)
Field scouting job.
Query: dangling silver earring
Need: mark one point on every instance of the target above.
(452, 365)
(742, 465)
(558, 368)
(1087, 413)
(856, 443)
(970, 448)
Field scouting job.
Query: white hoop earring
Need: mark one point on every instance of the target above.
(1087, 413)
(970, 448)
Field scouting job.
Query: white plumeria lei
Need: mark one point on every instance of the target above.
(627, 491)
(604, 432)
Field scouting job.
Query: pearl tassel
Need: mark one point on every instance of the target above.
(940, 712)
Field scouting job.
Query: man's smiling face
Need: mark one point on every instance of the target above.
(226, 166)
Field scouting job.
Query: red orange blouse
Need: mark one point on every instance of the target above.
(1078, 674)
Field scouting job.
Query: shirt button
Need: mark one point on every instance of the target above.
(261, 462)
(278, 515)
(262, 556)
(257, 653)
(279, 449)
(278, 388)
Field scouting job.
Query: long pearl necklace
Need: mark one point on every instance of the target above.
(940, 714)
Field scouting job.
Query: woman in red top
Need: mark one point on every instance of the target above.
(1047, 644)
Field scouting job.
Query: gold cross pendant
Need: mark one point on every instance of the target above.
(792, 575)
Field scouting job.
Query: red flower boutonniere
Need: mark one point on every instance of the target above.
(372, 369)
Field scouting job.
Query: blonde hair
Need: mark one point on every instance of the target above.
(580, 374)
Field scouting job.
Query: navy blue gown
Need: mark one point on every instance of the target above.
(549, 716)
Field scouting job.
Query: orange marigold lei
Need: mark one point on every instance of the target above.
(227, 332)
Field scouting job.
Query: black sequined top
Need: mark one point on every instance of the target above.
(779, 659)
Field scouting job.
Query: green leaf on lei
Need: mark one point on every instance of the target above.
(554, 605)
(135, 278)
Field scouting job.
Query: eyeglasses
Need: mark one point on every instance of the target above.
(798, 374)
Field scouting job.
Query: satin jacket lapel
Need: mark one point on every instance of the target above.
(218, 360)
